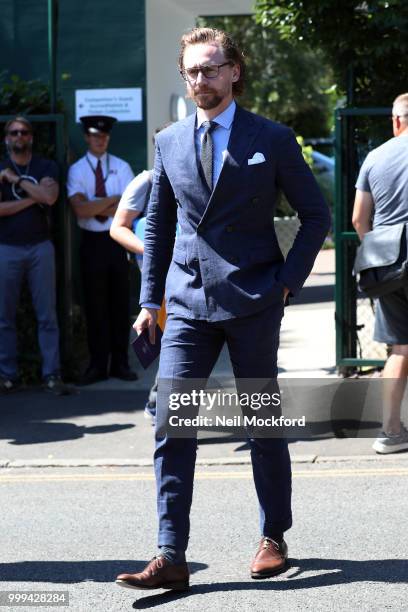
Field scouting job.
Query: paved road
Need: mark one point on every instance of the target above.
(75, 529)
(75, 525)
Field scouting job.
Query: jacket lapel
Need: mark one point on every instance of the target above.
(190, 164)
(244, 130)
(186, 146)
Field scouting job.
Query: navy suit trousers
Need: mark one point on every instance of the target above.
(190, 349)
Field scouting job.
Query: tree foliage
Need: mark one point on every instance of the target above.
(25, 97)
(367, 39)
(286, 81)
(20, 97)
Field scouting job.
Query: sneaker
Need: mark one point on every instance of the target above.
(391, 443)
(150, 412)
(7, 385)
(54, 384)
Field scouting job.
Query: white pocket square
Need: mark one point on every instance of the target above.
(258, 158)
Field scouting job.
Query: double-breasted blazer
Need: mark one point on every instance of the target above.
(225, 261)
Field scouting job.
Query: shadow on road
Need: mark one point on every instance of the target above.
(317, 430)
(25, 417)
(336, 410)
(314, 294)
(337, 572)
(69, 572)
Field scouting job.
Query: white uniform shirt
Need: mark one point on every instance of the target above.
(81, 179)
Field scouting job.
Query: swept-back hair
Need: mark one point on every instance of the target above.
(231, 51)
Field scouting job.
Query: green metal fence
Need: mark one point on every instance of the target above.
(357, 131)
(50, 140)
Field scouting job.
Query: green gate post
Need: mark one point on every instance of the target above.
(52, 52)
(345, 289)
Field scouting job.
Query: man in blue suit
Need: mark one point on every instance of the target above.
(218, 174)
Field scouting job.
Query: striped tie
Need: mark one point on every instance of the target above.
(100, 191)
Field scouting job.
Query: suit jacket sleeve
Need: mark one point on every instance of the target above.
(159, 235)
(303, 194)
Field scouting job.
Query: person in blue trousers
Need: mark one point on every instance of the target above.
(28, 188)
(218, 174)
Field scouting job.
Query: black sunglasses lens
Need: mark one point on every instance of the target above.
(17, 132)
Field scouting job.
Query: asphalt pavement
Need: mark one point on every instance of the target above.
(74, 530)
(79, 501)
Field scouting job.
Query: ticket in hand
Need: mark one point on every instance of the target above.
(145, 351)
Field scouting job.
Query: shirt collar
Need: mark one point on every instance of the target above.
(224, 119)
(92, 158)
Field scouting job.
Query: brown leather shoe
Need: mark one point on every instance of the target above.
(159, 573)
(271, 559)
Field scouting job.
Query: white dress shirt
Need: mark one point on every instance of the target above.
(81, 179)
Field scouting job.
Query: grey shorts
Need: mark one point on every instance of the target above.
(391, 318)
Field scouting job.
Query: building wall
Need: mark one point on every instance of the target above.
(105, 44)
(102, 46)
(98, 46)
(23, 38)
(165, 23)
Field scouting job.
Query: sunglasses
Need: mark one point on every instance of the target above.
(209, 72)
(19, 132)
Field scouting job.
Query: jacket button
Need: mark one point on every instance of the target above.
(230, 228)
(255, 200)
(234, 260)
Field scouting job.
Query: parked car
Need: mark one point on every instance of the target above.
(323, 169)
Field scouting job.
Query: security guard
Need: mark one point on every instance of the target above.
(95, 185)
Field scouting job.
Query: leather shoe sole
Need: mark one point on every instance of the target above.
(174, 586)
(270, 573)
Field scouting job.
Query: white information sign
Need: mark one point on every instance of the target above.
(125, 103)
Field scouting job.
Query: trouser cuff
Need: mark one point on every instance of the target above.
(273, 528)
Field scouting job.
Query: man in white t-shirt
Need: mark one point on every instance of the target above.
(95, 185)
(133, 204)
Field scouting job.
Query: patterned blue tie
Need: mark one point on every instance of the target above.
(207, 152)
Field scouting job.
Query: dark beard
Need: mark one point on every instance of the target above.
(211, 100)
(20, 148)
